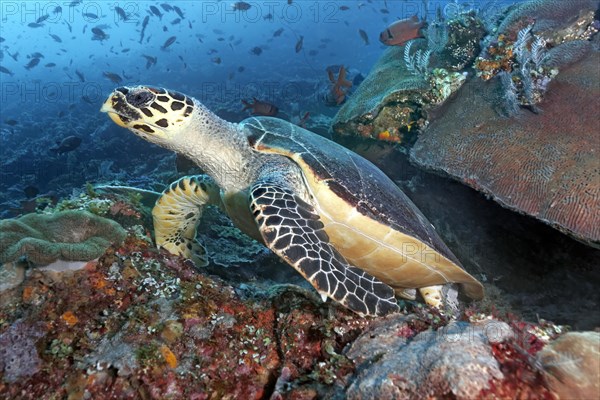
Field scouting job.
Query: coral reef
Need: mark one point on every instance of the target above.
(67, 235)
(464, 35)
(392, 103)
(520, 49)
(11, 274)
(544, 164)
(443, 84)
(549, 15)
(398, 96)
(18, 354)
(388, 85)
(425, 364)
(567, 54)
(227, 246)
(572, 365)
(499, 57)
(126, 205)
(141, 323)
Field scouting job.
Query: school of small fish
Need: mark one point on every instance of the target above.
(172, 20)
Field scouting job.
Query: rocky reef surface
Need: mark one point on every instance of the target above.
(140, 323)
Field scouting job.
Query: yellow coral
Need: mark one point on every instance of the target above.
(69, 318)
(168, 355)
(385, 135)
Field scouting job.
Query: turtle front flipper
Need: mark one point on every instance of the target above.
(292, 229)
(177, 213)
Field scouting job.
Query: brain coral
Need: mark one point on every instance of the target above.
(572, 365)
(544, 165)
(547, 14)
(67, 235)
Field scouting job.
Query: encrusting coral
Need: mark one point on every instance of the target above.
(142, 323)
(407, 82)
(68, 235)
(18, 354)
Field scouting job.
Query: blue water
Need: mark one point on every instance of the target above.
(210, 59)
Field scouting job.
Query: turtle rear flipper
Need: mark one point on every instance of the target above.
(177, 213)
(292, 229)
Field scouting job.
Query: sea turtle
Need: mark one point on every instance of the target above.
(329, 213)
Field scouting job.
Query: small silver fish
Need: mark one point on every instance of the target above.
(178, 11)
(5, 70)
(241, 6)
(121, 13)
(168, 42)
(364, 36)
(299, 44)
(99, 32)
(115, 78)
(156, 12)
(32, 63)
(150, 61)
(80, 75)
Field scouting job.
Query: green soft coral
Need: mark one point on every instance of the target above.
(67, 235)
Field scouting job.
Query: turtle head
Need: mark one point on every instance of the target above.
(155, 114)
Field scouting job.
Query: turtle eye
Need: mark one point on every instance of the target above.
(139, 98)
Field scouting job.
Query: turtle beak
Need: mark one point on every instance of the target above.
(116, 119)
(108, 108)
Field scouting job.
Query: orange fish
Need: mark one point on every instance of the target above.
(340, 85)
(260, 108)
(402, 31)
